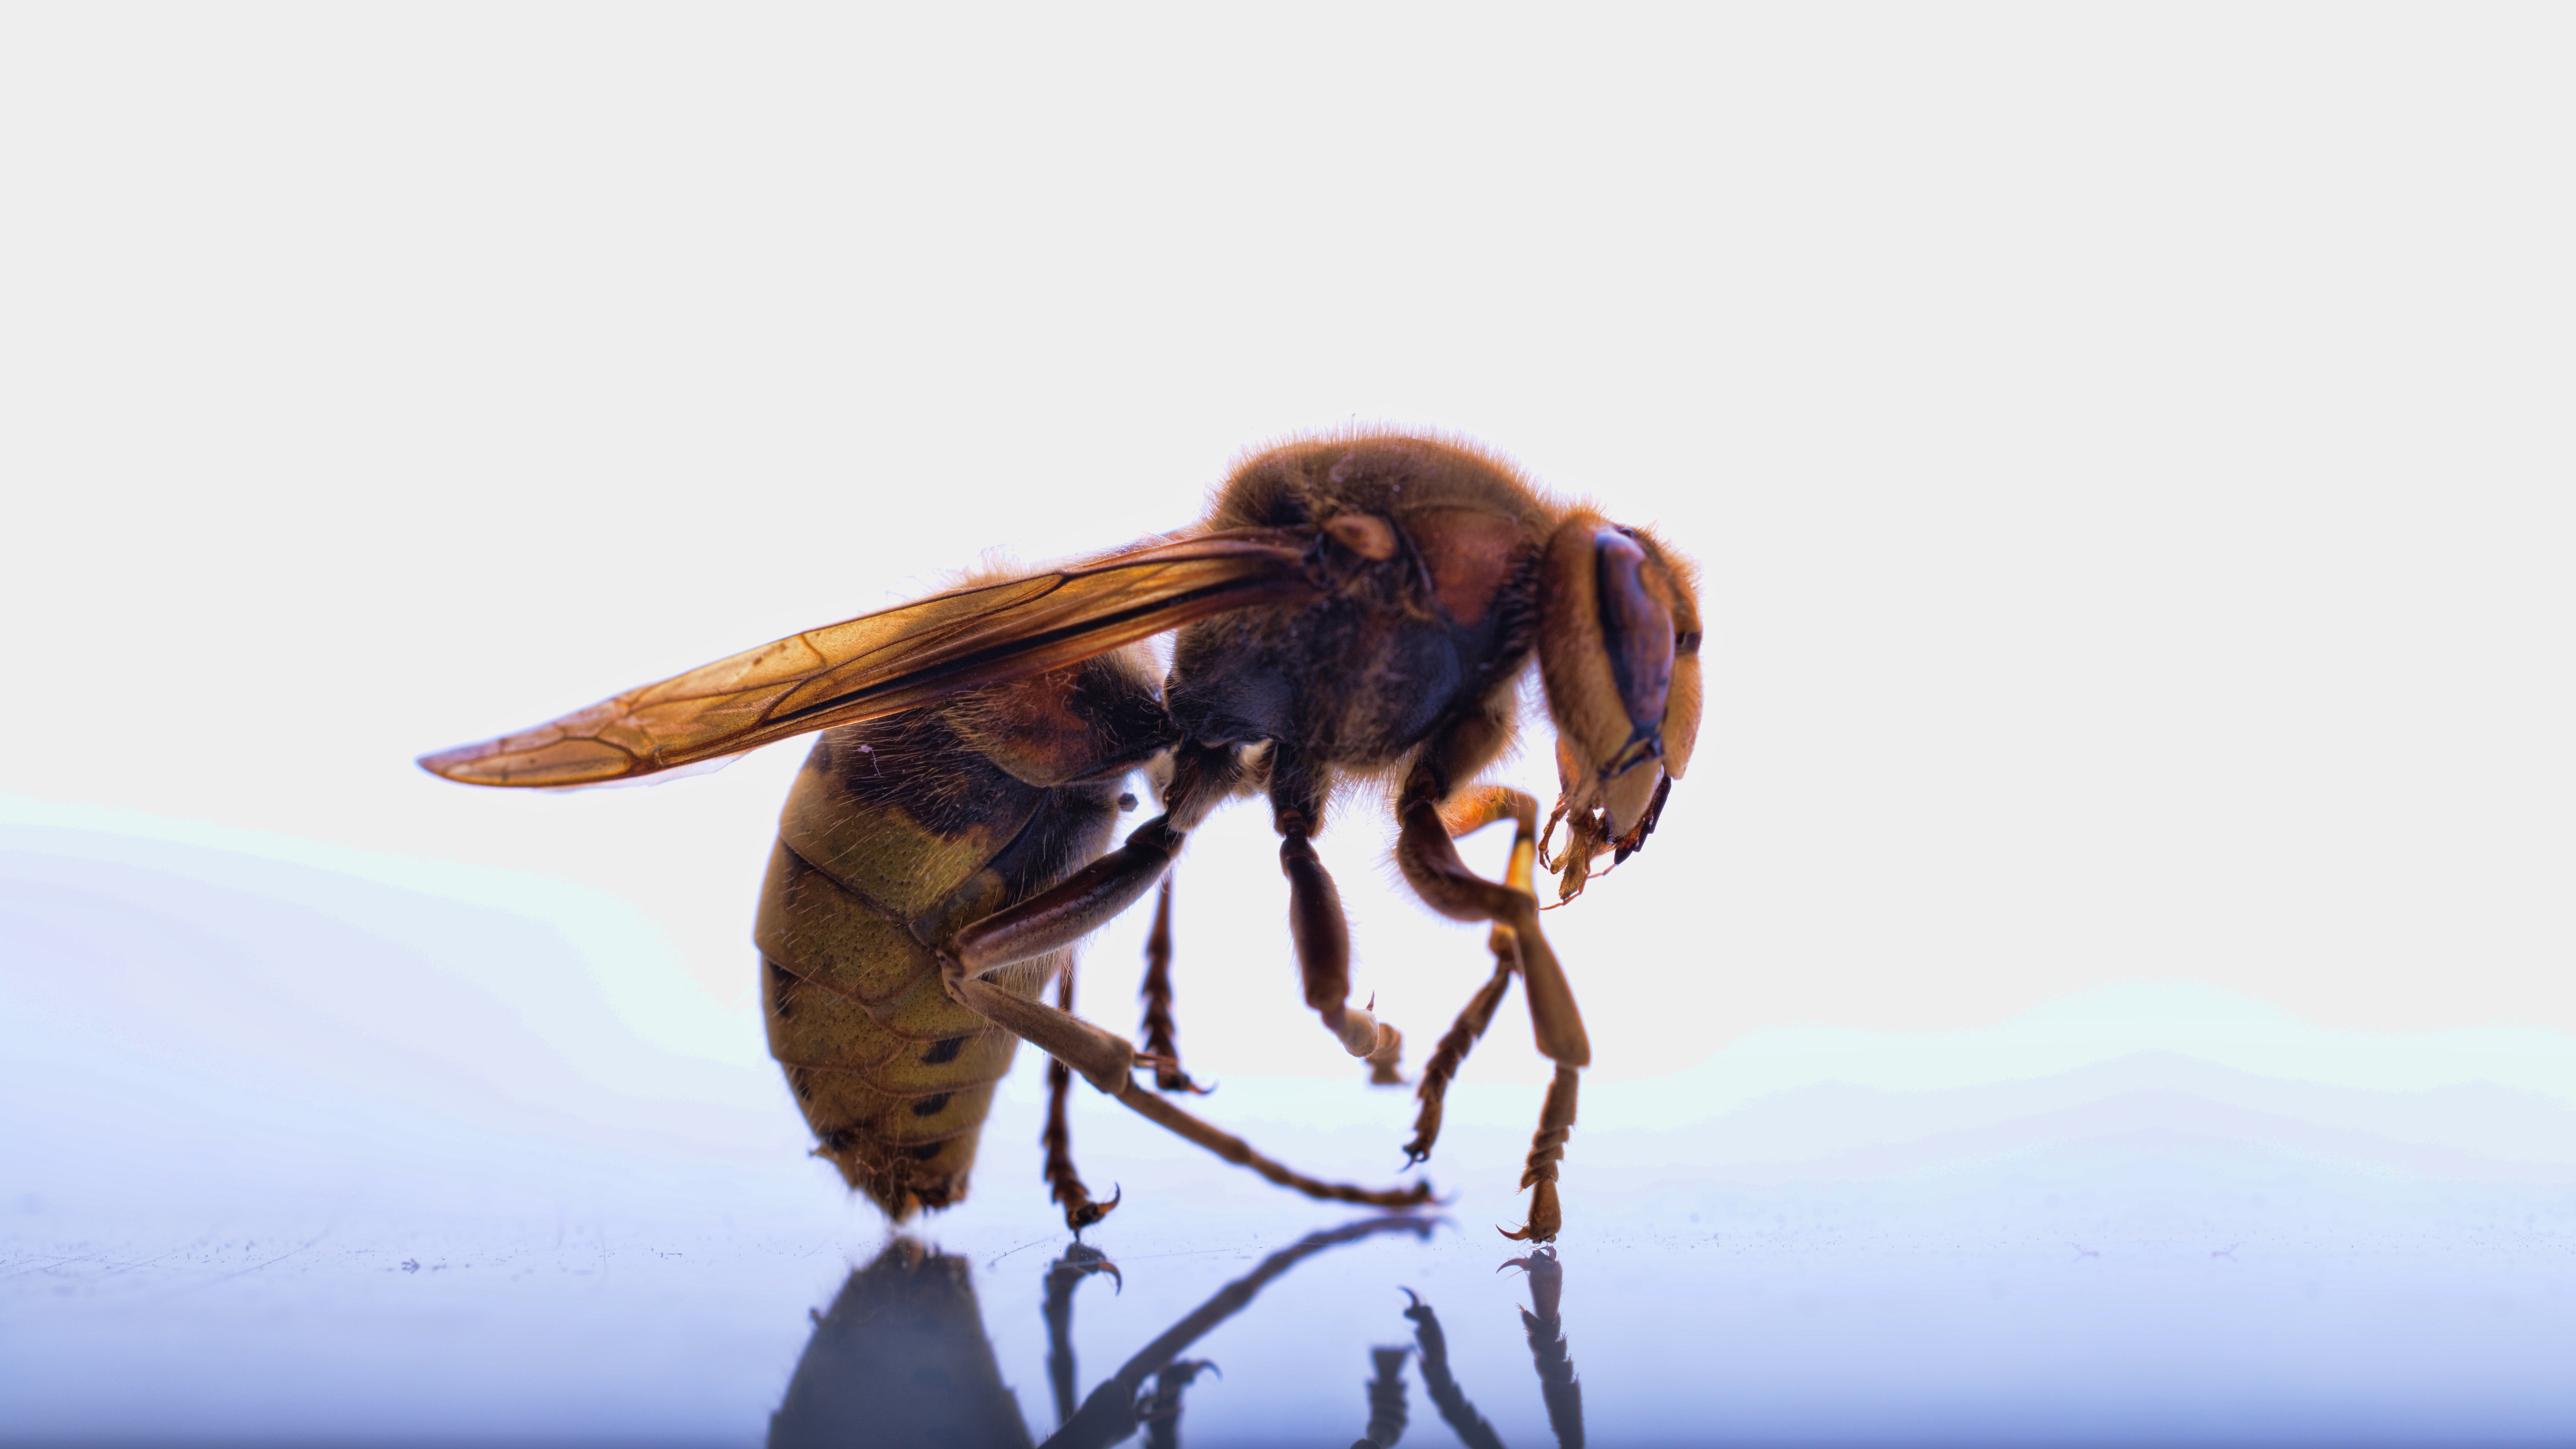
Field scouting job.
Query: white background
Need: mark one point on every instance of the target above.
(2128, 451)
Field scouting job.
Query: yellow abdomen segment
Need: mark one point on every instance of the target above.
(880, 854)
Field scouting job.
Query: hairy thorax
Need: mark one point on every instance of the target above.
(1428, 617)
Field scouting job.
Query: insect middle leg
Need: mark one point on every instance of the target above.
(1160, 1032)
(1430, 862)
(1316, 924)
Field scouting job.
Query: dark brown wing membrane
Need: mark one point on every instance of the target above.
(897, 659)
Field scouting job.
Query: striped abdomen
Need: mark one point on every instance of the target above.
(900, 832)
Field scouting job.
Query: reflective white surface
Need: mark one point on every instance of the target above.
(290, 1153)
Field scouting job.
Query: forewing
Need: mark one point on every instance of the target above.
(897, 659)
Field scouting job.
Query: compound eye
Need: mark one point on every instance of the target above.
(1637, 631)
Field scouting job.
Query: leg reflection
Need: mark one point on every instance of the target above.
(1160, 1407)
(1385, 1400)
(1117, 1408)
(901, 1359)
(1446, 1396)
(1556, 1381)
(1557, 1386)
(1063, 1276)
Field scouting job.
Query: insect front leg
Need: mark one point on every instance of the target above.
(1316, 923)
(1432, 866)
(1470, 812)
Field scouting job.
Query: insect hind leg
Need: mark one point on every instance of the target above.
(1107, 1061)
(1064, 1184)
(1235, 1150)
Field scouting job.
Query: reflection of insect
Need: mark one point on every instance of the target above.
(903, 1358)
(1354, 607)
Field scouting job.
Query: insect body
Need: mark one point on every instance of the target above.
(1353, 607)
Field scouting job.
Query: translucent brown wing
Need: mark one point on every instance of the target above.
(897, 659)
